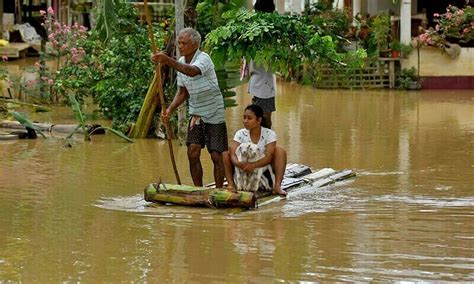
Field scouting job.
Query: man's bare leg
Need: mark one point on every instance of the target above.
(218, 168)
(195, 167)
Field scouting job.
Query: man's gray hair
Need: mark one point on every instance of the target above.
(195, 36)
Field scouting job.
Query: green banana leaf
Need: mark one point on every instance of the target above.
(77, 111)
(21, 118)
(106, 19)
(230, 103)
(229, 94)
(114, 131)
(76, 107)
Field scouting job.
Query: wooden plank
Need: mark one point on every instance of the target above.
(14, 49)
(296, 170)
(324, 177)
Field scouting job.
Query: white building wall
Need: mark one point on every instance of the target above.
(294, 6)
(297, 6)
(435, 62)
(372, 7)
(280, 6)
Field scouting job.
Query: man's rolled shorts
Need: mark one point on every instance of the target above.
(213, 136)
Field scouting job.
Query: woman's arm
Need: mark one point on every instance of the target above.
(269, 151)
(233, 157)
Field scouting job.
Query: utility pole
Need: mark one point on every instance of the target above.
(405, 21)
(1, 19)
(356, 7)
(179, 19)
(179, 25)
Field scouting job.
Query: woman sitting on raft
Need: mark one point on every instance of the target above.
(256, 132)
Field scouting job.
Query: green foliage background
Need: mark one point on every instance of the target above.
(287, 44)
(117, 69)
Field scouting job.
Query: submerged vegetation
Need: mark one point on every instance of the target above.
(23, 119)
(82, 123)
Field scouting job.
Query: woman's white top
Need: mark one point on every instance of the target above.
(266, 137)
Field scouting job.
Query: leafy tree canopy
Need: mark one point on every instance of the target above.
(282, 42)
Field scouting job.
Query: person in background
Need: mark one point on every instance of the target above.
(262, 82)
(265, 138)
(197, 82)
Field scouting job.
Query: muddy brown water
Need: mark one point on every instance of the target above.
(78, 214)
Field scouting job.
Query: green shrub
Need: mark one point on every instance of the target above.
(406, 77)
(116, 73)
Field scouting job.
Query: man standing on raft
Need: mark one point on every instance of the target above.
(197, 81)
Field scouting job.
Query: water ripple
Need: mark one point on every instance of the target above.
(429, 201)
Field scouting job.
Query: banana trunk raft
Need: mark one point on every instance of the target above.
(298, 178)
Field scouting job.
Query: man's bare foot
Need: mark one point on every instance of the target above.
(279, 191)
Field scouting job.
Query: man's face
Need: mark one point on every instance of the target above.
(185, 44)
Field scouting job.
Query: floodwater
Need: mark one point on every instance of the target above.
(78, 214)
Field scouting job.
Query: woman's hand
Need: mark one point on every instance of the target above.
(238, 164)
(248, 168)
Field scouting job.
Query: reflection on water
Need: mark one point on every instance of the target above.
(77, 214)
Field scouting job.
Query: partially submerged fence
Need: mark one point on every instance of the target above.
(377, 74)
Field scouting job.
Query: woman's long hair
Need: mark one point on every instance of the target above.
(258, 111)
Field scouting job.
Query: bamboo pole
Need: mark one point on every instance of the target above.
(158, 86)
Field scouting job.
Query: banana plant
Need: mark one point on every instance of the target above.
(114, 131)
(21, 118)
(106, 20)
(76, 107)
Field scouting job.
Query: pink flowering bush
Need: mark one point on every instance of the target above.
(431, 38)
(3, 68)
(65, 46)
(64, 39)
(25, 83)
(456, 25)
